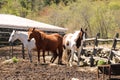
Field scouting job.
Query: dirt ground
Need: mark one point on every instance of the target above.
(24, 70)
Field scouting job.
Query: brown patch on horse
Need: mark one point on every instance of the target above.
(68, 43)
(64, 42)
(80, 37)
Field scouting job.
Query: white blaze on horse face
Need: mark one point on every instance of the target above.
(12, 36)
(29, 36)
(84, 36)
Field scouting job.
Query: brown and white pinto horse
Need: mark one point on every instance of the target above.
(72, 43)
(47, 42)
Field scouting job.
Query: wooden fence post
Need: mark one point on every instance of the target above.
(96, 43)
(113, 46)
(115, 41)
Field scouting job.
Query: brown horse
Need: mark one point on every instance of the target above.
(47, 42)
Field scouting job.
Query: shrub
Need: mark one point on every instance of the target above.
(14, 59)
(114, 5)
(101, 62)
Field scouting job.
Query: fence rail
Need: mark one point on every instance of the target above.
(101, 40)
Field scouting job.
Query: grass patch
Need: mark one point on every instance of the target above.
(15, 60)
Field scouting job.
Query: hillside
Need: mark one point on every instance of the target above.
(95, 15)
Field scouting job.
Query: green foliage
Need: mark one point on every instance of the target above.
(101, 62)
(114, 5)
(96, 16)
(15, 60)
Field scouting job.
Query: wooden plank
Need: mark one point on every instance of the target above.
(102, 40)
(4, 37)
(5, 32)
(117, 53)
(105, 40)
(4, 42)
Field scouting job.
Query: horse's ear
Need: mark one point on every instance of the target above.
(14, 30)
(33, 29)
(81, 29)
(28, 29)
(86, 29)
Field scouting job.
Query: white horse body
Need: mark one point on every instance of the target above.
(23, 36)
(68, 40)
(72, 38)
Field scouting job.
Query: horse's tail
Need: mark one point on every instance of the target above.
(60, 49)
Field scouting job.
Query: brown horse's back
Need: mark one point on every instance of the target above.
(54, 41)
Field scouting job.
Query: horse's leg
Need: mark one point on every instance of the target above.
(79, 55)
(48, 53)
(38, 56)
(60, 56)
(44, 56)
(54, 56)
(68, 54)
(71, 58)
(30, 55)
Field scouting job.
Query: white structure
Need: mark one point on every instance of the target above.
(15, 22)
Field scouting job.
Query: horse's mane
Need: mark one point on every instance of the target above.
(41, 33)
(75, 35)
(23, 32)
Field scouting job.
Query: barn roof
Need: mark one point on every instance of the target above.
(12, 21)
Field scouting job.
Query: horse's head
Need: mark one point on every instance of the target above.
(30, 33)
(81, 36)
(13, 36)
(35, 33)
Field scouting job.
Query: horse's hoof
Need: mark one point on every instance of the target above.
(61, 63)
(51, 61)
(78, 65)
(38, 63)
(70, 65)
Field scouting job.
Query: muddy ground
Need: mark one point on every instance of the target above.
(24, 70)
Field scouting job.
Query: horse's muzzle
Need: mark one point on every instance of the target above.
(28, 40)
